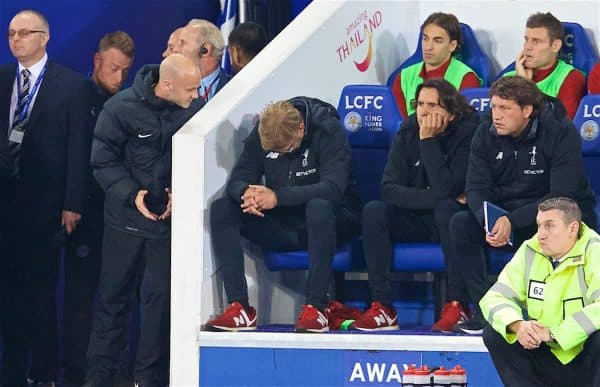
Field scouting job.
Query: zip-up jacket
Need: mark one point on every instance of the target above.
(565, 299)
(320, 168)
(419, 173)
(518, 173)
(131, 151)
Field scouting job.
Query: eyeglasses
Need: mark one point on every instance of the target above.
(24, 33)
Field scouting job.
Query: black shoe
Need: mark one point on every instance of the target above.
(472, 326)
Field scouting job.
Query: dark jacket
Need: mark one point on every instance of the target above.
(55, 152)
(518, 173)
(5, 160)
(419, 173)
(320, 168)
(131, 151)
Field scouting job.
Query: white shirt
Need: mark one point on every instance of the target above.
(35, 71)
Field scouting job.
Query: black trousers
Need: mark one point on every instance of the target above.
(29, 271)
(82, 262)
(383, 224)
(130, 262)
(467, 266)
(539, 367)
(318, 227)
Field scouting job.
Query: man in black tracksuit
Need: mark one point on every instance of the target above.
(131, 159)
(83, 257)
(520, 158)
(422, 186)
(308, 201)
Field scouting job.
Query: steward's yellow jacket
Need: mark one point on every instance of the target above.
(566, 299)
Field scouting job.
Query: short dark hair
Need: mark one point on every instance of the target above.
(119, 40)
(448, 97)
(448, 22)
(521, 90)
(569, 208)
(250, 36)
(549, 22)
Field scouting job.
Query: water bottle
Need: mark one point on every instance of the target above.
(422, 377)
(458, 376)
(408, 376)
(441, 377)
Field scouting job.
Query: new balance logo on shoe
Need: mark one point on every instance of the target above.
(321, 319)
(242, 319)
(377, 318)
(312, 320)
(235, 318)
(384, 319)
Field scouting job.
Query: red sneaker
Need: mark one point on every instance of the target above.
(452, 313)
(377, 318)
(338, 313)
(312, 320)
(235, 318)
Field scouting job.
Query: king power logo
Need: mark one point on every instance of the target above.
(358, 34)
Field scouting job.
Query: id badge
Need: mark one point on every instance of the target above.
(536, 290)
(16, 136)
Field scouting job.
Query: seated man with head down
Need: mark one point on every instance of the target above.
(308, 201)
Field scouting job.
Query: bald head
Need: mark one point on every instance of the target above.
(178, 80)
(28, 35)
(172, 42)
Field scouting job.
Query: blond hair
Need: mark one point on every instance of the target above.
(279, 124)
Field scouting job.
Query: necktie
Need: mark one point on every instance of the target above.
(22, 98)
(555, 264)
(15, 147)
(205, 94)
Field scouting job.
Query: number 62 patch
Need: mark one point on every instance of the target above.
(536, 290)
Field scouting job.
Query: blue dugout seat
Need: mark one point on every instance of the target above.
(478, 97)
(469, 52)
(587, 121)
(577, 49)
(371, 129)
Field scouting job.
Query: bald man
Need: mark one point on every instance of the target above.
(202, 42)
(45, 114)
(172, 42)
(131, 160)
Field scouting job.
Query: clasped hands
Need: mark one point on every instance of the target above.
(531, 334)
(256, 199)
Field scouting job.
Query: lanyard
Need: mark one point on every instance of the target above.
(31, 93)
(208, 88)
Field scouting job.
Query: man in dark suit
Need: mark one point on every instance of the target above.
(45, 109)
(203, 43)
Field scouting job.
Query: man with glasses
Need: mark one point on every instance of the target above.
(46, 115)
(309, 201)
(520, 158)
